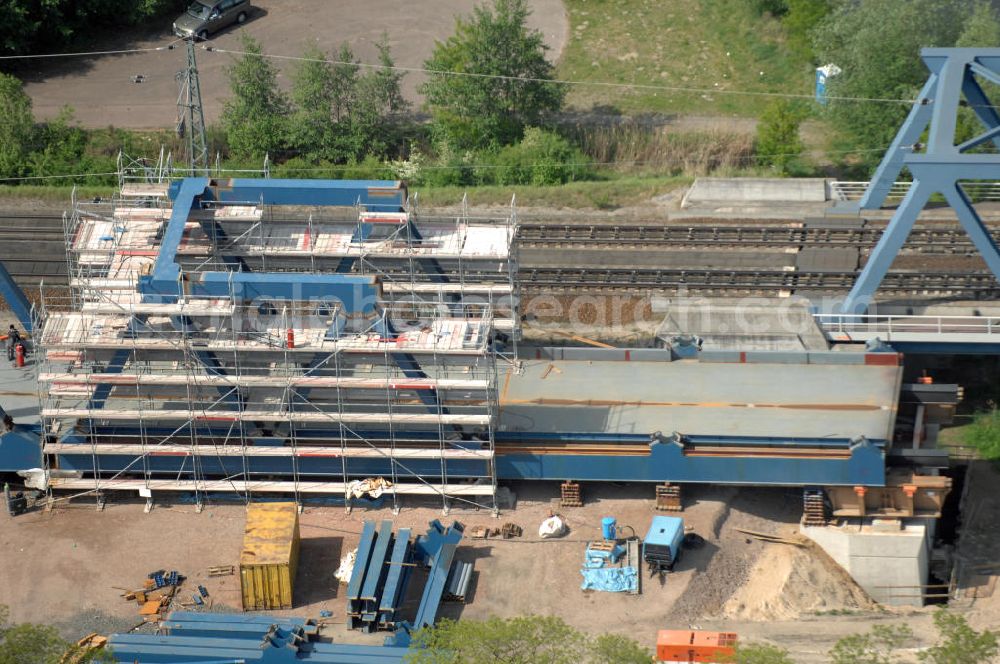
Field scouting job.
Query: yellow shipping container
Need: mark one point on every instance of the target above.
(270, 556)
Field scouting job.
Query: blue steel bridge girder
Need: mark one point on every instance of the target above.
(942, 166)
(410, 367)
(16, 299)
(208, 360)
(364, 230)
(358, 294)
(858, 464)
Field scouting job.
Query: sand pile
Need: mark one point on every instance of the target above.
(788, 581)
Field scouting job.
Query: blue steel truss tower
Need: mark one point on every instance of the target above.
(942, 164)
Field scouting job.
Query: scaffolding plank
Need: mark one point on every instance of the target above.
(263, 381)
(144, 189)
(262, 486)
(165, 449)
(119, 415)
(78, 331)
(192, 308)
(372, 347)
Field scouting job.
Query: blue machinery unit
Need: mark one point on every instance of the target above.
(661, 548)
(939, 166)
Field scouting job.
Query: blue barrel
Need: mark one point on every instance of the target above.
(608, 527)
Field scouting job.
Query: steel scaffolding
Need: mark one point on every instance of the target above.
(299, 396)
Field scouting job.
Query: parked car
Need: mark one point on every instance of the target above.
(204, 17)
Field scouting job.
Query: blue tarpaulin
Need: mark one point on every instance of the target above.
(610, 579)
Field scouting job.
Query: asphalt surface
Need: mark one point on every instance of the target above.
(101, 91)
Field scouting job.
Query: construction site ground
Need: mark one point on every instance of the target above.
(68, 567)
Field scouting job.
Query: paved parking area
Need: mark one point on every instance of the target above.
(102, 93)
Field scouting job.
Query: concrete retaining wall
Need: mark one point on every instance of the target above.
(748, 190)
(891, 566)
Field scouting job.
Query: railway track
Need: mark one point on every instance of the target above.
(568, 279)
(635, 236)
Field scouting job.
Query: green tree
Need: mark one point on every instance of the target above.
(875, 647)
(800, 20)
(311, 126)
(381, 87)
(17, 129)
(778, 144)
(509, 85)
(344, 83)
(521, 640)
(981, 28)
(618, 649)
(958, 643)
(63, 147)
(877, 45)
(374, 117)
(36, 644)
(36, 26)
(759, 653)
(254, 117)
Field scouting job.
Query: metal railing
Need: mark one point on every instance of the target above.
(852, 191)
(887, 325)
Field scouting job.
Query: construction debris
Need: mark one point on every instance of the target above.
(157, 593)
(343, 573)
(509, 530)
(765, 537)
(482, 532)
(552, 527)
(372, 487)
(506, 531)
(222, 570)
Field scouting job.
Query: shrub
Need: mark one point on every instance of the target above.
(778, 142)
(540, 158)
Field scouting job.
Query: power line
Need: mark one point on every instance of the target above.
(54, 177)
(89, 54)
(529, 79)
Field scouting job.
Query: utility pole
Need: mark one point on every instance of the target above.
(191, 115)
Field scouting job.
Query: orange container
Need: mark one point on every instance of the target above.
(685, 645)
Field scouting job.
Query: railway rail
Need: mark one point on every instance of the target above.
(540, 236)
(937, 283)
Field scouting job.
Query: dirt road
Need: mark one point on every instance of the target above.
(101, 91)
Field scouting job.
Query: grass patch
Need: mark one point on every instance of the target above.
(51, 193)
(983, 434)
(601, 195)
(712, 44)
